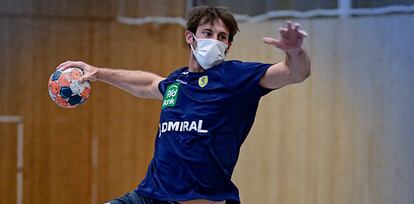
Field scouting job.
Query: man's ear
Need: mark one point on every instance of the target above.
(189, 36)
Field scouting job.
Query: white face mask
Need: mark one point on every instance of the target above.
(209, 52)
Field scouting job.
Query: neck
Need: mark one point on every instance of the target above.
(193, 65)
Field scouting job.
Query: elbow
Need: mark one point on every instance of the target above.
(306, 75)
(300, 77)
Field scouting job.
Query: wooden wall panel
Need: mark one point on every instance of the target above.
(100, 9)
(342, 136)
(8, 158)
(101, 149)
(56, 140)
(126, 145)
(63, 8)
(143, 8)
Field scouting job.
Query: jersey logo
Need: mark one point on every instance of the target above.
(202, 81)
(181, 126)
(170, 96)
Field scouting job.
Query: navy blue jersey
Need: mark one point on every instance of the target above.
(204, 120)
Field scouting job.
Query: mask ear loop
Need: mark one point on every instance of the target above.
(194, 37)
(191, 46)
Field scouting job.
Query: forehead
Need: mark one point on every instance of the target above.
(217, 26)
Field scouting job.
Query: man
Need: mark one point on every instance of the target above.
(207, 111)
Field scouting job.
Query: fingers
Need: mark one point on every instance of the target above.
(284, 32)
(289, 25)
(89, 72)
(69, 64)
(303, 33)
(292, 27)
(296, 26)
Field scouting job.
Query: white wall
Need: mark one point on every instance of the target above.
(345, 135)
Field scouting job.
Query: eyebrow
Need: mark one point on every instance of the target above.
(220, 33)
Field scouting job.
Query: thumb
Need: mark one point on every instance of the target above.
(272, 41)
(84, 78)
(269, 41)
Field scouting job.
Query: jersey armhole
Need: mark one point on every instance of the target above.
(161, 88)
(263, 90)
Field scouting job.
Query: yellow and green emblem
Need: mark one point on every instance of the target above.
(203, 81)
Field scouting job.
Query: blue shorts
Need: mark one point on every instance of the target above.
(134, 198)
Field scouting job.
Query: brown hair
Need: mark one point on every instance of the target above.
(211, 15)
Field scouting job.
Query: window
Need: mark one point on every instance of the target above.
(253, 8)
(379, 3)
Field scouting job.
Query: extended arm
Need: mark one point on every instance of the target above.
(296, 66)
(138, 83)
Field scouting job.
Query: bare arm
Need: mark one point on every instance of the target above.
(296, 66)
(138, 83)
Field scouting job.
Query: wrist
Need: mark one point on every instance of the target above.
(295, 52)
(99, 73)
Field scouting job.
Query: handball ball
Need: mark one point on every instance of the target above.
(66, 90)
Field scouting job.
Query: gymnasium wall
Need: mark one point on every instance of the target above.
(345, 135)
(101, 149)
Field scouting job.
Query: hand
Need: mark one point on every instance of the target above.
(291, 38)
(90, 73)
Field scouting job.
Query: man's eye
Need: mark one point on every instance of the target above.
(207, 34)
(223, 37)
